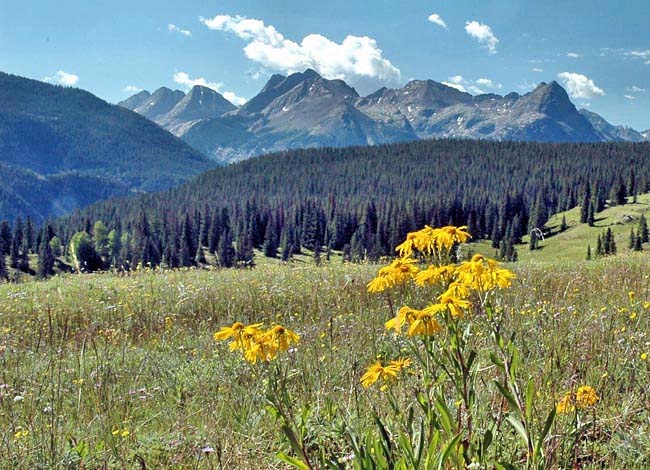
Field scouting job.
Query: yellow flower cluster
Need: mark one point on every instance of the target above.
(483, 274)
(386, 374)
(398, 272)
(255, 342)
(583, 398)
(480, 274)
(429, 241)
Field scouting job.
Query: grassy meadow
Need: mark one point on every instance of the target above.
(114, 371)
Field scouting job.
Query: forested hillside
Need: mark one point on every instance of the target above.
(362, 200)
(48, 133)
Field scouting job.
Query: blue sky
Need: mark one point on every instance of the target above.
(599, 50)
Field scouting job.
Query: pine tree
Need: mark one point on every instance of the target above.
(4, 274)
(584, 207)
(588, 252)
(591, 215)
(45, 265)
(5, 238)
(632, 239)
(563, 225)
(643, 229)
(532, 243)
(599, 247)
(225, 251)
(638, 243)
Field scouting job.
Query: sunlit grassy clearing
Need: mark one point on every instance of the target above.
(96, 355)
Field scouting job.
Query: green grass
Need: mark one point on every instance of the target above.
(571, 244)
(93, 356)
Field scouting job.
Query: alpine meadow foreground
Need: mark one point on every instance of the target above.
(115, 371)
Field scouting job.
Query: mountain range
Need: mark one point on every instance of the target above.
(63, 148)
(307, 110)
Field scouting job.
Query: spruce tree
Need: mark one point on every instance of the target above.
(563, 225)
(584, 207)
(643, 229)
(591, 217)
(45, 265)
(632, 239)
(638, 243)
(225, 251)
(588, 252)
(5, 238)
(599, 247)
(4, 274)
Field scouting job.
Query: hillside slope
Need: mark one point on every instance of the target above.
(53, 131)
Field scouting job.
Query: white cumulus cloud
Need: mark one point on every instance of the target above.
(457, 86)
(357, 59)
(436, 19)
(476, 87)
(62, 78)
(172, 28)
(629, 97)
(580, 86)
(486, 82)
(537, 69)
(131, 89)
(183, 79)
(573, 55)
(483, 34)
(636, 89)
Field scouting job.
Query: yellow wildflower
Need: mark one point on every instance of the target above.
(424, 324)
(455, 304)
(281, 337)
(484, 274)
(586, 397)
(404, 315)
(229, 331)
(434, 274)
(398, 272)
(387, 373)
(565, 404)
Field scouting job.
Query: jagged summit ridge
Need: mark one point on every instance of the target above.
(305, 109)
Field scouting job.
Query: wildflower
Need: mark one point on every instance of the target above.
(565, 404)
(435, 274)
(387, 373)
(455, 304)
(229, 331)
(281, 337)
(586, 397)
(424, 324)
(18, 398)
(583, 398)
(404, 315)
(484, 274)
(430, 240)
(21, 433)
(398, 272)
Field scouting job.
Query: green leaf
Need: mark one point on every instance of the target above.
(449, 448)
(519, 427)
(530, 395)
(509, 398)
(540, 440)
(446, 419)
(292, 461)
(497, 362)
